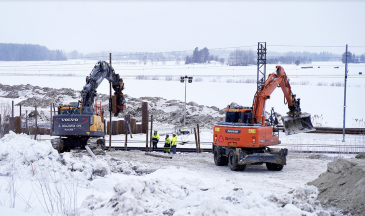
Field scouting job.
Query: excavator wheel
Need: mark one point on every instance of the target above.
(274, 167)
(58, 144)
(233, 162)
(101, 143)
(219, 159)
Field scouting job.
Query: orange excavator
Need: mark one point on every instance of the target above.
(246, 136)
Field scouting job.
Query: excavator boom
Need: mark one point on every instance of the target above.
(102, 70)
(296, 121)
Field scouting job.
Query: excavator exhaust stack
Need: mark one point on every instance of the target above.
(299, 124)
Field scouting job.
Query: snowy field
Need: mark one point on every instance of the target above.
(320, 88)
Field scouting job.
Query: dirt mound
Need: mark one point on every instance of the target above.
(343, 186)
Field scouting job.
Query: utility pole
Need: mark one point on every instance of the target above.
(344, 100)
(183, 80)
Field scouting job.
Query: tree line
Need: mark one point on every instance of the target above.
(29, 52)
(352, 58)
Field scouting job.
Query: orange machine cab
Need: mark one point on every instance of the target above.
(238, 131)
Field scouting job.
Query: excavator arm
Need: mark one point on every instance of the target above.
(297, 121)
(102, 70)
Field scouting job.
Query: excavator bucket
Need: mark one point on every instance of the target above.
(299, 124)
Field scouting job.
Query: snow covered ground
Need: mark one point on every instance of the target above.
(36, 180)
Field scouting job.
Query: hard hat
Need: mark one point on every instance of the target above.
(167, 135)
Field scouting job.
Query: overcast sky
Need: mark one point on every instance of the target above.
(183, 25)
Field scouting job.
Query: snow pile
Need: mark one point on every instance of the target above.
(20, 154)
(342, 185)
(179, 191)
(34, 177)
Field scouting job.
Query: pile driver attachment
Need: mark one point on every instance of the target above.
(297, 124)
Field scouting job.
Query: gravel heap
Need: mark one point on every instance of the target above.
(163, 111)
(343, 185)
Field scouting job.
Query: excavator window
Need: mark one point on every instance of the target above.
(239, 117)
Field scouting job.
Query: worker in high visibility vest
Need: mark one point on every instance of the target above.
(173, 143)
(167, 146)
(155, 139)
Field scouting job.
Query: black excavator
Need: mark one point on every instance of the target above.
(81, 123)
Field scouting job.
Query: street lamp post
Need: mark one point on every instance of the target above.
(183, 80)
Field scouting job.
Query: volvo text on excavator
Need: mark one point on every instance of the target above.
(80, 123)
(245, 137)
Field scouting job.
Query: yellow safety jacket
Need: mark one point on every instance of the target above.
(156, 137)
(174, 140)
(167, 142)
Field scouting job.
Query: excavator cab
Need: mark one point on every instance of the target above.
(238, 115)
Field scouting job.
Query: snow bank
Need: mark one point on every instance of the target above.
(18, 152)
(179, 191)
(21, 155)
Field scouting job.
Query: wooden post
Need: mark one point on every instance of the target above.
(127, 119)
(20, 110)
(18, 125)
(54, 109)
(198, 138)
(108, 127)
(146, 137)
(196, 141)
(50, 133)
(151, 132)
(36, 125)
(35, 133)
(130, 130)
(144, 117)
(12, 109)
(26, 121)
(125, 142)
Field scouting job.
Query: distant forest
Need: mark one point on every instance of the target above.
(202, 56)
(29, 52)
(231, 57)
